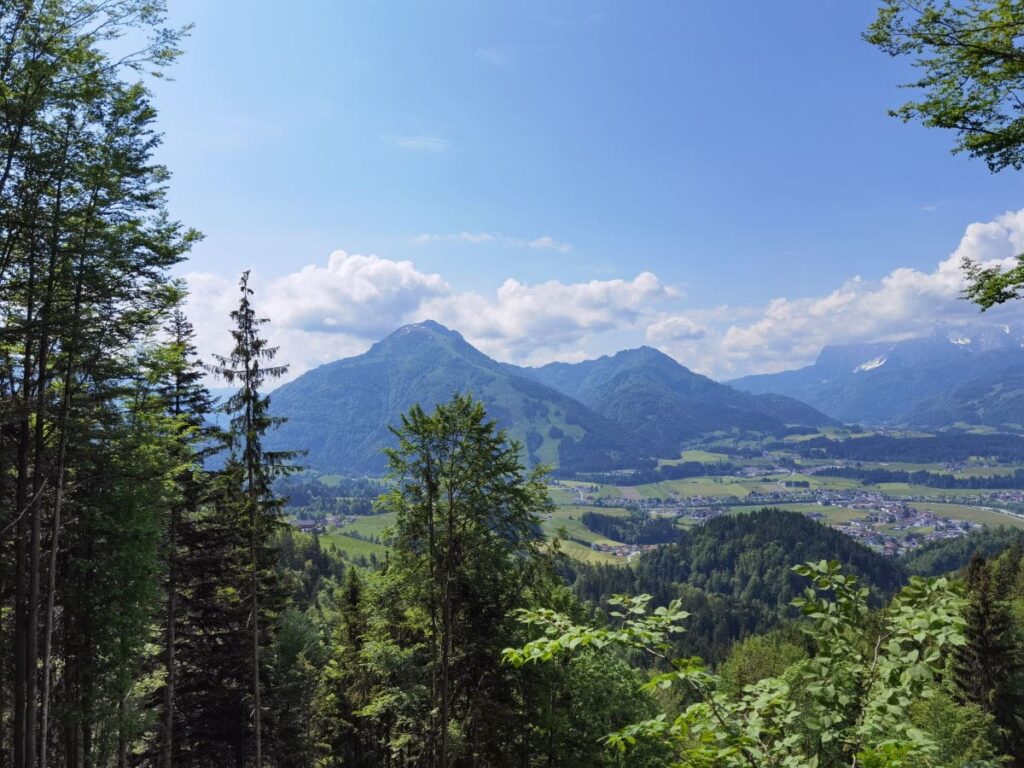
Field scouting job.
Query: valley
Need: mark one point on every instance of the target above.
(889, 517)
(638, 437)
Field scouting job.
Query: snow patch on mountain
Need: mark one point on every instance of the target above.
(870, 365)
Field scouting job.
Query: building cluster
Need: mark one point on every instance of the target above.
(623, 550)
(894, 533)
(890, 525)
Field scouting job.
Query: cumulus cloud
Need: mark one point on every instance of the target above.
(352, 294)
(551, 320)
(789, 332)
(322, 312)
(544, 242)
(675, 328)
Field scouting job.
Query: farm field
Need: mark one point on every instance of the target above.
(568, 495)
(350, 546)
(564, 517)
(972, 514)
(907, 489)
(584, 554)
(705, 457)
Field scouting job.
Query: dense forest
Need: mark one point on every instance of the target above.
(156, 609)
(926, 478)
(939, 448)
(734, 575)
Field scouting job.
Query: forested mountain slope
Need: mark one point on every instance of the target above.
(646, 390)
(735, 573)
(615, 412)
(340, 412)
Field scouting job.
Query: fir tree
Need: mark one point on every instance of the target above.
(249, 366)
(988, 666)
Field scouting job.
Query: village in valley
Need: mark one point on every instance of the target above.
(612, 519)
(888, 519)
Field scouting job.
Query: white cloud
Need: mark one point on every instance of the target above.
(420, 143)
(322, 312)
(675, 328)
(552, 320)
(786, 333)
(544, 242)
(354, 295)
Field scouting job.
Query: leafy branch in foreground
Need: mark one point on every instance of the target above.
(988, 286)
(971, 69)
(846, 706)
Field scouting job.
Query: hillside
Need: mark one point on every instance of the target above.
(992, 400)
(611, 413)
(735, 572)
(647, 391)
(340, 412)
(915, 382)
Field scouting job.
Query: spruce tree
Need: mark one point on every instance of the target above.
(249, 365)
(988, 668)
(190, 406)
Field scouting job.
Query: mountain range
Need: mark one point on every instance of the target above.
(611, 413)
(972, 375)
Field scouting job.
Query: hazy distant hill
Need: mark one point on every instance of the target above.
(340, 412)
(952, 375)
(644, 389)
(994, 400)
(604, 414)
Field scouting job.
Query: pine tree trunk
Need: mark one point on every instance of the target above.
(167, 743)
(257, 730)
(20, 504)
(35, 556)
(21, 507)
(446, 639)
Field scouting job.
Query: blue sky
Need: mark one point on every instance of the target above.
(739, 152)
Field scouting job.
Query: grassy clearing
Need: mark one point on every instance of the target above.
(568, 518)
(369, 525)
(565, 517)
(981, 515)
(352, 547)
(587, 555)
(831, 514)
(903, 466)
(718, 487)
(906, 489)
(575, 510)
(561, 495)
(573, 528)
(821, 481)
(705, 457)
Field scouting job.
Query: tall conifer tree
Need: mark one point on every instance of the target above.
(249, 365)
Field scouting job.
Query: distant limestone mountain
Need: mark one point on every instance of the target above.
(340, 412)
(957, 374)
(647, 391)
(611, 413)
